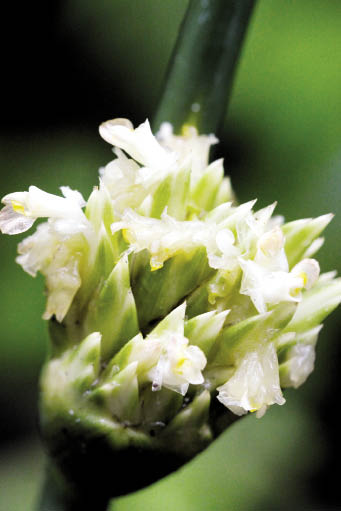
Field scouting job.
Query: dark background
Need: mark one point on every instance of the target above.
(68, 65)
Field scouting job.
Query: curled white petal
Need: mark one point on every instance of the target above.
(140, 143)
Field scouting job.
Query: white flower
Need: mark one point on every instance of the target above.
(308, 270)
(57, 257)
(190, 147)
(254, 225)
(178, 366)
(266, 279)
(23, 208)
(57, 246)
(121, 178)
(255, 383)
(129, 184)
(270, 251)
(165, 357)
(167, 237)
(140, 143)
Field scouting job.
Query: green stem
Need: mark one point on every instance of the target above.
(55, 496)
(203, 64)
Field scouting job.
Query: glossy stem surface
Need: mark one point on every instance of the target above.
(203, 64)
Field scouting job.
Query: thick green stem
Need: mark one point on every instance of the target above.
(56, 496)
(203, 64)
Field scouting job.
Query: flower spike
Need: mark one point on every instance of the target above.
(167, 302)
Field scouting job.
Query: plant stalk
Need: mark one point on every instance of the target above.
(203, 64)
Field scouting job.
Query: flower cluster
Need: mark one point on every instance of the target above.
(165, 292)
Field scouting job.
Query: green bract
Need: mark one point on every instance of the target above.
(172, 309)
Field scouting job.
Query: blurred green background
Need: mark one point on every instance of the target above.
(69, 65)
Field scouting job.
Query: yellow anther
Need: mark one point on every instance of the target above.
(295, 291)
(125, 234)
(304, 277)
(186, 130)
(179, 364)
(18, 207)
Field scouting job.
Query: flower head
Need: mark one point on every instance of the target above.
(164, 294)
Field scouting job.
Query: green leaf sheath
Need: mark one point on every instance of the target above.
(202, 68)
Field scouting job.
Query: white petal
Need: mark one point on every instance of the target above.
(270, 251)
(139, 143)
(299, 366)
(178, 365)
(12, 222)
(73, 195)
(62, 285)
(314, 247)
(271, 242)
(189, 147)
(166, 237)
(308, 270)
(37, 251)
(17, 197)
(255, 383)
(224, 240)
(43, 204)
